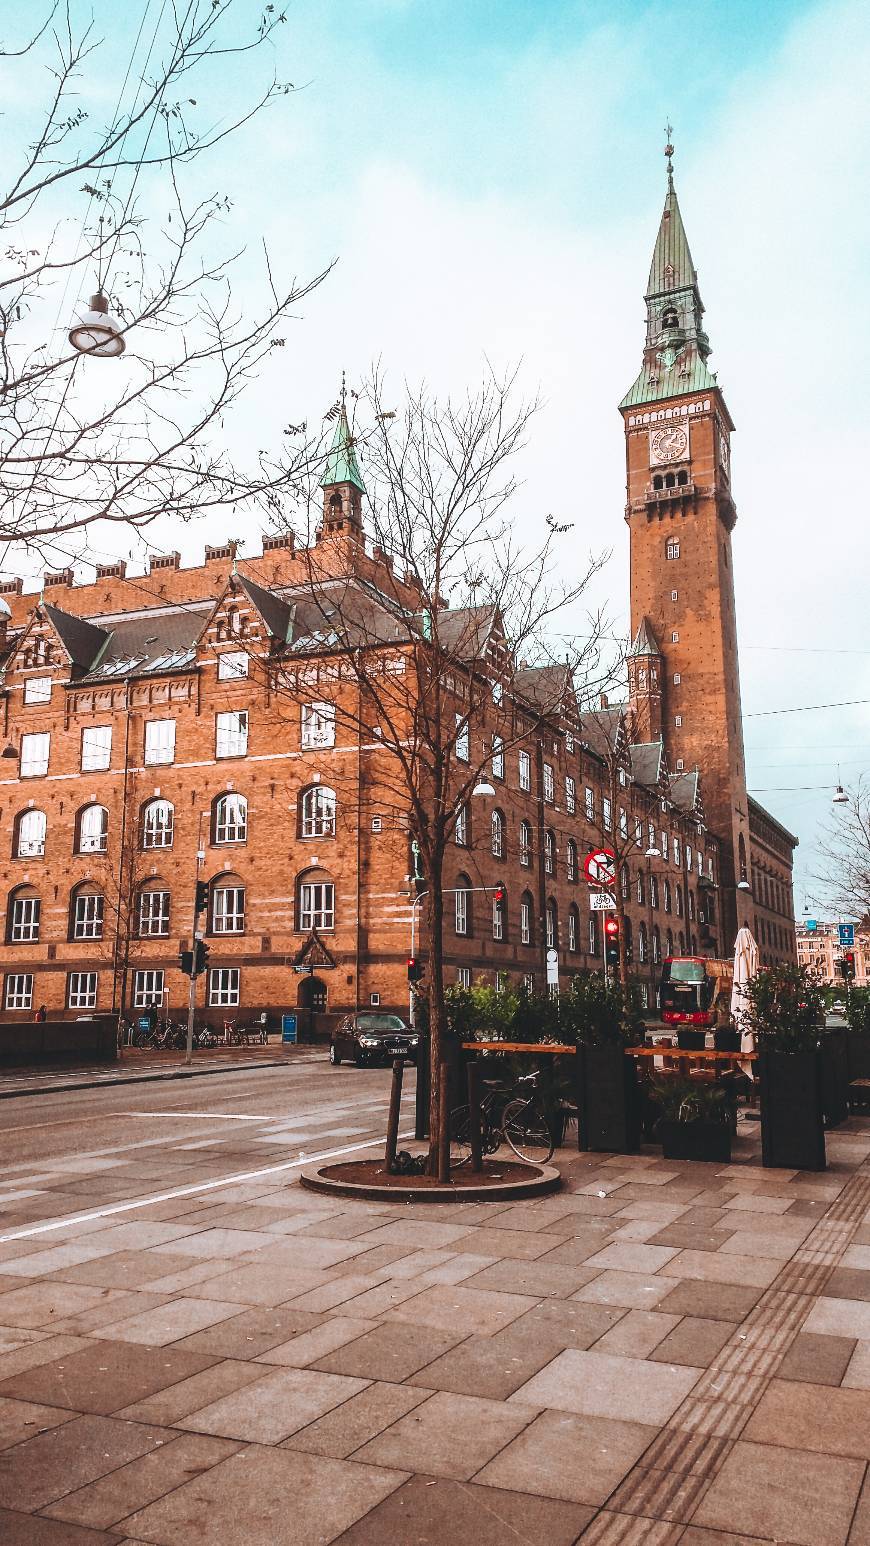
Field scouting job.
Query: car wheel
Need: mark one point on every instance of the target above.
(334, 1055)
(360, 1059)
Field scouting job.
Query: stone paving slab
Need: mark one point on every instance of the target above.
(661, 1355)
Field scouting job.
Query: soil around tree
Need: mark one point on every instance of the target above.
(498, 1179)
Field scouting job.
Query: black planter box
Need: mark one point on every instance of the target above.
(695, 1140)
(792, 1113)
(608, 1099)
(858, 1053)
(691, 1041)
(835, 1076)
(726, 1041)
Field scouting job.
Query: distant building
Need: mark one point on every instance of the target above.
(820, 950)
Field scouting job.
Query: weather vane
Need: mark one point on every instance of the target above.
(669, 153)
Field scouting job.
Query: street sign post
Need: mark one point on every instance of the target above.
(847, 935)
(552, 968)
(602, 902)
(600, 867)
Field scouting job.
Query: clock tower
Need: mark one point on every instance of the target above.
(681, 514)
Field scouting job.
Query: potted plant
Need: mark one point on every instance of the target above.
(784, 1009)
(695, 1120)
(602, 1019)
(858, 1033)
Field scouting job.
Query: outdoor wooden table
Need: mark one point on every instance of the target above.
(516, 1046)
(688, 1055)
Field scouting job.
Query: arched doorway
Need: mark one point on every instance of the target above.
(312, 994)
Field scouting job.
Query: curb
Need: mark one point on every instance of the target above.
(547, 1179)
(155, 1078)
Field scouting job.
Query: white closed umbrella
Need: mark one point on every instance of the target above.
(745, 967)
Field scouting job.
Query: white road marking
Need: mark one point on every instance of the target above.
(191, 1191)
(201, 1116)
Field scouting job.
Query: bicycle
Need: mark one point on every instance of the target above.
(524, 1125)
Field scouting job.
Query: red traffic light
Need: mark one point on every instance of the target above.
(611, 926)
(498, 895)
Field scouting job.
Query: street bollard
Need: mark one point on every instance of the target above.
(424, 1082)
(393, 1118)
(473, 1073)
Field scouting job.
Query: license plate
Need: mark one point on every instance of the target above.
(395, 1049)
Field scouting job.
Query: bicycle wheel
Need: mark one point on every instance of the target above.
(460, 1139)
(525, 1126)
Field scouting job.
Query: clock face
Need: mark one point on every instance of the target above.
(669, 444)
(724, 452)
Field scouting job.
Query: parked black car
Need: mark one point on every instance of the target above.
(372, 1038)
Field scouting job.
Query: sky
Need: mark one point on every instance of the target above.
(488, 178)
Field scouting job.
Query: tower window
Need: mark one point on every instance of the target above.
(657, 481)
(670, 318)
(675, 638)
(678, 721)
(677, 678)
(670, 480)
(672, 547)
(682, 478)
(675, 595)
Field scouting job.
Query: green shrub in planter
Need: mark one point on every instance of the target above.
(695, 1119)
(785, 1009)
(858, 1033)
(602, 1019)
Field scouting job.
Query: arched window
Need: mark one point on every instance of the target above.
(641, 889)
(317, 808)
(87, 909)
(526, 933)
(153, 910)
(666, 894)
(741, 857)
(656, 945)
(462, 826)
(694, 945)
(681, 943)
(549, 853)
(670, 480)
(594, 941)
(641, 943)
(629, 939)
(672, 547)
(678, 894)
(230, 819)
(624, 882)
(30, 829)
(92, 830)
(158, 821)
(657, 481)
(22, 916)
(670, 317)
(462, 906)
(573, 928)
(552, 920)
(692, 905)
(497, 835)
(315, 902)
(571, 859)
(669, 944)
(227, 905)
(653, 891)
(682, 478)
(525, 844)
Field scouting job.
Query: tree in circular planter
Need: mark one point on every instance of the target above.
(785, 1010)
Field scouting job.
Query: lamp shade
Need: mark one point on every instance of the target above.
(97, 331)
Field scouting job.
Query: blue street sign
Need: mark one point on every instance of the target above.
(288, 1029)
(811, 924)
(847, 934)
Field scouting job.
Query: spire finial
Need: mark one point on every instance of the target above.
(343, 390)
(669, 155)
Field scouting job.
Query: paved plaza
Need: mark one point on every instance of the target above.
(661, 1353)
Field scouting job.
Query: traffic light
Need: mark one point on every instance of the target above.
(200, 956)
(201, 902)
(847, 965)
(498, 896)
(185, 961)
(611, 941)
(415, 969)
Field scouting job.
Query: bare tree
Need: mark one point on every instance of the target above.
(101, 206)
(437, 641)
(844, 867)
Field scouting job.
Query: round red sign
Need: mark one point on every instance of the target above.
(600, 867)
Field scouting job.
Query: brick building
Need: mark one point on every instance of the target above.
(199, 723)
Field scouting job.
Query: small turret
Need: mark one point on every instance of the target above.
(342, 482)
(645, 683)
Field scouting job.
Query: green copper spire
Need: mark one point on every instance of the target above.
(677, 348)
(341, 463)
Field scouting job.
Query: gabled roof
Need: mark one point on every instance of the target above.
(149, 646)
(547, 687)
(603, 730)
(645, 641)
(685, 792)
(341, 463)
(465, 630)
(648, 763)
(276, 614)
(83, 642)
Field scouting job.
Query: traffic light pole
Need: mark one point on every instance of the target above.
(197, 909)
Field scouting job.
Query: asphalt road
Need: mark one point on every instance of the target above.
(146, 1140)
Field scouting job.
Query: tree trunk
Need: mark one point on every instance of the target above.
(622, 972)
(439, 1126)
